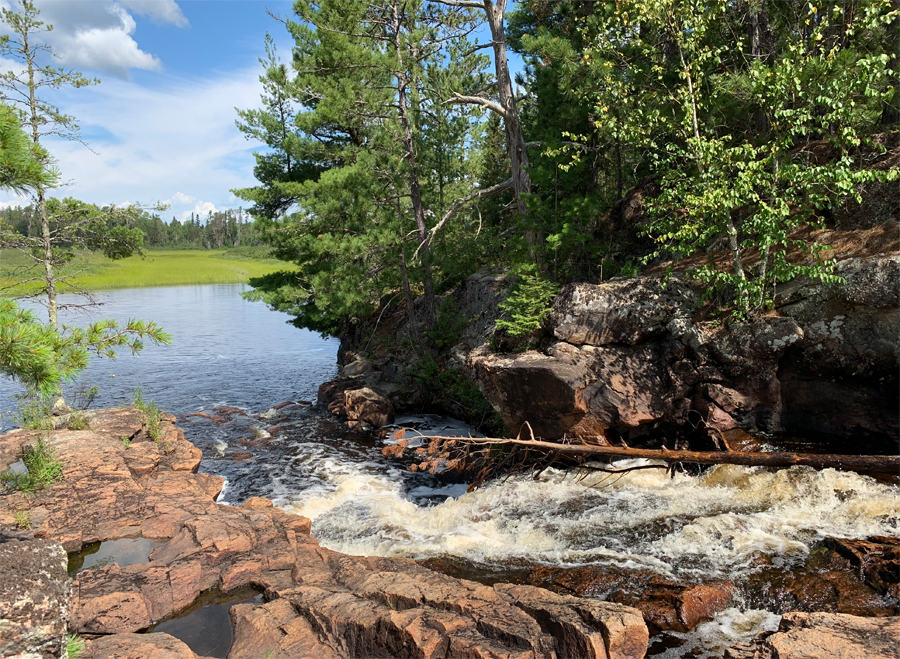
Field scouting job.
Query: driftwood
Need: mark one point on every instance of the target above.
(859, 463)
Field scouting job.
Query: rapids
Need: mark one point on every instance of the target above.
(695, 527)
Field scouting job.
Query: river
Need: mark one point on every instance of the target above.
(230, 352)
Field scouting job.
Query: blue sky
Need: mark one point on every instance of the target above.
(161, 123)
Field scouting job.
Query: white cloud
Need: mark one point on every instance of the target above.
(181, 199)
(176, 143)
(109, 49)
(201, 210)
(97, 34)
(159, 11)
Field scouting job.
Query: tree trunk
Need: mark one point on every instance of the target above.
(46, 237)
(890, 114)
(515, 140)
(862, 463)
(415, 190)
(762, 47)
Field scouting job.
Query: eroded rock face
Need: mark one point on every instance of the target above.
(820, 635)
(636, 376)
(844, 376)
(34, 598)
(633, 355)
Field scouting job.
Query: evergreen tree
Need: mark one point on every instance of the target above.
(367, 161)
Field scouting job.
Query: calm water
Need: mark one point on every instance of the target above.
(226, 351)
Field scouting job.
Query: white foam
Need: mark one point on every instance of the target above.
(710, 525)
(710, 639)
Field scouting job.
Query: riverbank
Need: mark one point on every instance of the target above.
(119, 483)
(155, 268)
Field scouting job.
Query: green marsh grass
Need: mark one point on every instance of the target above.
(155, 268)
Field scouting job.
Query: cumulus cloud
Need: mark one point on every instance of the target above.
(97, 34)
(175, 142)
(201, 209)
(159, 11)
(181, 199)
(109, 49)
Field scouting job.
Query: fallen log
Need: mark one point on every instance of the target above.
(858, 463)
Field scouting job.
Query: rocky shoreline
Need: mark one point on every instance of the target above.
(318, 603)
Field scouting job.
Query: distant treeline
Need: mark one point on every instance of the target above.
(219, 229)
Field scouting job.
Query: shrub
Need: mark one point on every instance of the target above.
(150, 415)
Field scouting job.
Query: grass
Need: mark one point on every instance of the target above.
(74, 646)
(78, 420)
(151, 416)
(157, 268)
(22, 520)
(44, 468)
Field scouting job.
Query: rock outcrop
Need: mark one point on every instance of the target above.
(117, 482)
(34, 597)
(137, 646)
(820, 635)
(319, 603)
(630, 356)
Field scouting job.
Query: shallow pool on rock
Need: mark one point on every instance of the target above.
(121, 552)
(205, 627)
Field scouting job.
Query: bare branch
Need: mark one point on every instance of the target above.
(455, 208)
(478, 100)
(469, 4)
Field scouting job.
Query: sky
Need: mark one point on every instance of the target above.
(161, 123)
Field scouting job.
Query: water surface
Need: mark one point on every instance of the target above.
(225, 351)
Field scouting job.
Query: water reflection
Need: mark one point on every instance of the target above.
(225, 351)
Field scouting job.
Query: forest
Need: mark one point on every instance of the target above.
(217, 230)
(401, 158)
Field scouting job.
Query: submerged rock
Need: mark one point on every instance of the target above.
(856, 577)
(666, 604)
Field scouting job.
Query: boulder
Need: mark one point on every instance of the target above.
(625, 312)
(137, 646)
(367, 408)
(34, 598)
(821, 635)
